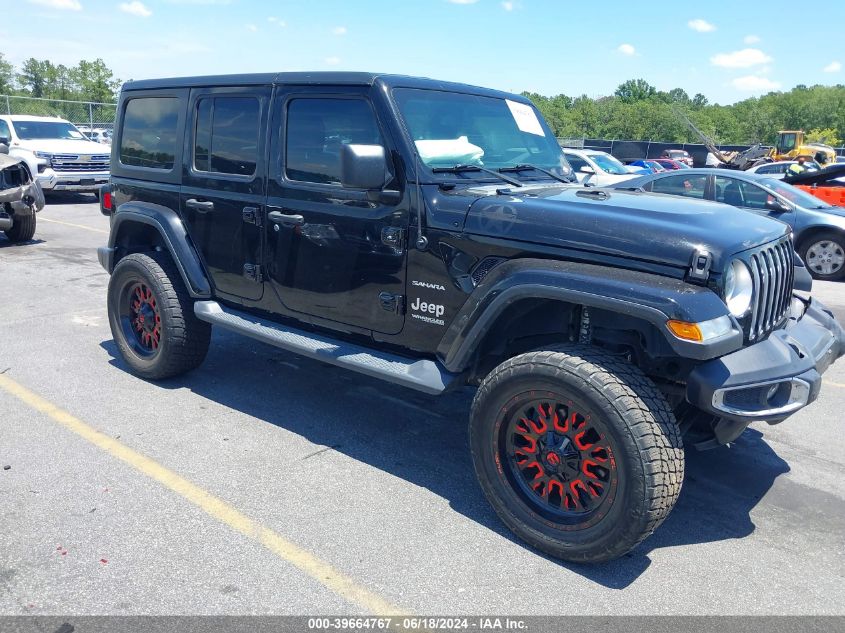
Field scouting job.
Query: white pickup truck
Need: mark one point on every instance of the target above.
(59, 156)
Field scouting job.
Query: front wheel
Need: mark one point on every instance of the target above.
(577, 451)
(824, 256)
(152, 318)
(23, 229)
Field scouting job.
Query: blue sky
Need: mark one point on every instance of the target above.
(726, 50)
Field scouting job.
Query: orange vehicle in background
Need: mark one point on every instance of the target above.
(827, 184)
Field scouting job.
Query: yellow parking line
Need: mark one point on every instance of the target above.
(319, 570)
(834, 384)
(78, 226)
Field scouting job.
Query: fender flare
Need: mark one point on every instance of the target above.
(649, 297)
(175, 237)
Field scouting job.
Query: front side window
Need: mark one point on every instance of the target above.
(576, 161)
(317, 128)
(4, 130)
(687, 186)
(149, 131)
(226, 135)
(739, 193)
(450, 128)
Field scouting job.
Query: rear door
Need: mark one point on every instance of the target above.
(223, 188)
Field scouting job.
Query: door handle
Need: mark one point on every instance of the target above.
(202, 207)
(286, 219)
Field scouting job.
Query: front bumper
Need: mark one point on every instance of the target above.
(772, 379)
(90, 181)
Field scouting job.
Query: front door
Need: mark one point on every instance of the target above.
(748, 196)
(223, 185)
(333, 253)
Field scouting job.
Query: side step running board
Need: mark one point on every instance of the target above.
(424, 375)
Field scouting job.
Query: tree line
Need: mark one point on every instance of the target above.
(87, 81)
(638, 111)
(635, 111)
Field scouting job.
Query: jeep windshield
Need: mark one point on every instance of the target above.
(453, 129)
(31, 130)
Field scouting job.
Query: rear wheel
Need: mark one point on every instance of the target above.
(152, 319)
(23, 229)
(577, 451)
(824, 256)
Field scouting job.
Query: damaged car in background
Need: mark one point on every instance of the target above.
(21, 198)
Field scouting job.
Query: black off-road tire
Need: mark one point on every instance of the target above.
(23, 229)
(184, 339)
(642, 435)
(837, 242)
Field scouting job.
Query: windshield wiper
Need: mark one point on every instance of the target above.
(526, 167)
(455, 169)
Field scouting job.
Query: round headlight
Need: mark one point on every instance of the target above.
(739, 288)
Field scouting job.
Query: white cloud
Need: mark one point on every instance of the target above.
(702, 26)
(252, 28)
(463, 1)
(833, 67)
(135, 8)
(627, 49)
(277, 21)
(751, 39)
(332, 61)
(73, 5)
(753, 83)
(507, 6)
(339, 30)
(746, 58)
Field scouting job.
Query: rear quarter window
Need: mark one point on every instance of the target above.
(149, 135)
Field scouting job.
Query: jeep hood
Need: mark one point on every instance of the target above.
(657, 228)
(64, 146)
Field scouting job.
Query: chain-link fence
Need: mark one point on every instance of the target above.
(81, 113)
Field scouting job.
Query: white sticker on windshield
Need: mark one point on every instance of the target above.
(74, 134)
(525, 117)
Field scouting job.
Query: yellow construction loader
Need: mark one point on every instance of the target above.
(791, 145)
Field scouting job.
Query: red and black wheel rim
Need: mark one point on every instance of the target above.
(140, 318)
(558, 459)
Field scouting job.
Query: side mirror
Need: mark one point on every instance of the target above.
(5, 140)
(777, 205)
(586, 169)
(363, 167)
(4, 149)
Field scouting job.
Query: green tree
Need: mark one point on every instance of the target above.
(33, 76)
(635, 90)
(96, 81)
(824, 135)
(7, 76)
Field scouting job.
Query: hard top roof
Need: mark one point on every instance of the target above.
(314, 79)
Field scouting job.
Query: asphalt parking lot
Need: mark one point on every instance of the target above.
(264, 483)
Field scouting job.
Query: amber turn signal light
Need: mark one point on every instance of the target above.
(686, 331)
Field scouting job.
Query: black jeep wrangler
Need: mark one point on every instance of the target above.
(431, 234)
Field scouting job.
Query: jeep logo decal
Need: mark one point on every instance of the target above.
(434, 309)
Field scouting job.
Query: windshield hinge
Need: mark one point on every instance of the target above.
(699, 270)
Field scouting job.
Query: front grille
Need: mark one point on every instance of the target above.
(772, 269)
(76, 162)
